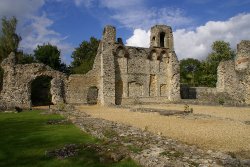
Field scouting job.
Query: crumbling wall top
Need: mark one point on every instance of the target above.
(9, 61)
(109, 34)
(242, 59)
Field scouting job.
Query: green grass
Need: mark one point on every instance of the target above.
(25, 137)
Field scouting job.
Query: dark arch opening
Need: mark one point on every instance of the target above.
(40, 91)
(92, 96)
(162, 39)
(118, 92)
(1, 79)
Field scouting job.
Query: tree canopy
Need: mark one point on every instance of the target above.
(204, 73)
(84, 56)
(9, 40)
(50, 55)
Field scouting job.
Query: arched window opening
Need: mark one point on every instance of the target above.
(162, 39)
(40, 91)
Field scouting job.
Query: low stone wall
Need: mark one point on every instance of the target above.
(143, 100)
(206, 95)
(78, 88)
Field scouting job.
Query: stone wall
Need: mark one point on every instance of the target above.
(233, 81)
(120, 75)
(17, 81)
(125, 74)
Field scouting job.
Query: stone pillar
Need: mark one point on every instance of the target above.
(57, 90)
(174, 76)
(107, 86)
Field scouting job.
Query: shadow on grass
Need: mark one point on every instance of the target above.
(26, 136)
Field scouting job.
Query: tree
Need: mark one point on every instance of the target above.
(49, 55)
(84, 56)
(23, 58)
(190, 71)
(196, 73)
(221, 51)
(9, 40)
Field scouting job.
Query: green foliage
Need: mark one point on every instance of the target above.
(23, 58)
(221, 51)
(221, 101)
(50, 55)
(9, 40)
(84, 56)
(190, 71)
(204, 73)
(26, 137)
(187, 109)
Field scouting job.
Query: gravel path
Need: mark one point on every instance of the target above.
(149, 149)
(210, 128)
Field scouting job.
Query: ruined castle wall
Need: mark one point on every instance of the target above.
(107, 80)
(233, 76)
(146, 75)
(18, 78)
(78, 86)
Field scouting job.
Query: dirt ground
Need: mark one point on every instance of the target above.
(210, 127)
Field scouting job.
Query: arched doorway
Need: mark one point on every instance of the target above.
(92, 96)
(40, 91)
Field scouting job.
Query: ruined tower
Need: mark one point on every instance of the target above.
(162, 36)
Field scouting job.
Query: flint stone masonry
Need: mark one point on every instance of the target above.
(127, 75)
(234, 76)
(120, 74)
(17, 81)
(233, 81)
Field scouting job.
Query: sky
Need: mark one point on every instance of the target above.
(66, 23)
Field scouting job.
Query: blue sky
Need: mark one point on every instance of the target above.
(66, 23)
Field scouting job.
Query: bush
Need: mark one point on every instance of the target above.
(221, 101)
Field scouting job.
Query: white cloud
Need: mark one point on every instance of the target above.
(121, 4)
(20, 8)
(39, 32)
(136, 14)
(34, 28)
(140, 38)
(197, 43)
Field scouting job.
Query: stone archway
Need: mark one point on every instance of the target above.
(18, 79)
(40, 91)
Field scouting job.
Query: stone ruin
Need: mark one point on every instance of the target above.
(233, 81)
(16, 91)
(234, 75)
(126, 75)
(120, 75)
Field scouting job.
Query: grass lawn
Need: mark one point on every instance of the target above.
(26, 136)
